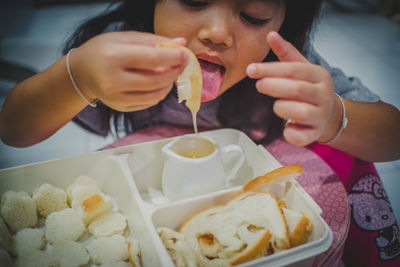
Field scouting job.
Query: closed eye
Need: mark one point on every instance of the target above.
(194, 3)
(253, 20)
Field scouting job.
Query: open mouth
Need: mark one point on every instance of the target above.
(213, 75)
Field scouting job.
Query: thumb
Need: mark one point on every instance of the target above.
(284, 50)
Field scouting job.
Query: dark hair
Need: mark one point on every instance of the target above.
(250, 109)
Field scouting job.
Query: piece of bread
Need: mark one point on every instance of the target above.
(26, 240)
(181, 254)
(108, 224)
(36, 258)
(250, 225)
(262, 183)
(247, 227)
(117, 264)
(63, 225)
(49, 198)
(108, 249)
(135, 254)
(18, 210)
(70, 254)
(299, 226)
(5, 236)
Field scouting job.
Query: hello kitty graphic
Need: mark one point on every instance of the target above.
(371, 211)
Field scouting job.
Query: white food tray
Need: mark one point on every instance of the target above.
(132, 176)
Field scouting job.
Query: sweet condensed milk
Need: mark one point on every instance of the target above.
(193, 147)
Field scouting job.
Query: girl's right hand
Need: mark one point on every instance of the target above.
(125, 70)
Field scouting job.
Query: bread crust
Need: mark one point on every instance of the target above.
(281, 173)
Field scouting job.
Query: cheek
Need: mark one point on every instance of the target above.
(163, 24)
(170, 20)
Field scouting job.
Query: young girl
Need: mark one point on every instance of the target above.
(260, 75)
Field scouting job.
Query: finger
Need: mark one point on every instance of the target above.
(300, 113)
(150, 58)
(147, 98)
(289, 89)
(136, 80)
(299, 135)
(284, 50)
(131, 37)
(290, 70)
(133, 100)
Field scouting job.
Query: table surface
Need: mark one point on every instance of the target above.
(319, 180)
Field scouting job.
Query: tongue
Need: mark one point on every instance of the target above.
(212, 78)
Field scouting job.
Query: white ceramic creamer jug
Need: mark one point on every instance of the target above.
(194, 165)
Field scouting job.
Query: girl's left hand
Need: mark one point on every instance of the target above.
(304, 93)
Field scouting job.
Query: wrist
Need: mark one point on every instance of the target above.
(341, 123)
(90, 100)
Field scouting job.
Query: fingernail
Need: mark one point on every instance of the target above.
(251, 70)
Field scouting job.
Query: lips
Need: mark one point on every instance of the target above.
(213, 73)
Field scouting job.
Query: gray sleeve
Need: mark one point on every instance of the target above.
(348, 87)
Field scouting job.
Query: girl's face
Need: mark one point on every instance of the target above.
(225, 35)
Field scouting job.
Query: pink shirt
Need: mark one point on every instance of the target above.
(373, 238)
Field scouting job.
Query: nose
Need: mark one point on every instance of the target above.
(217, 29)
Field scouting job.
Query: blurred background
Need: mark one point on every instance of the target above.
(362, 37)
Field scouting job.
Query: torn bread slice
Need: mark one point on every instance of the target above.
(180, 252)
(299, 226)
(249, 226)
(262, 183)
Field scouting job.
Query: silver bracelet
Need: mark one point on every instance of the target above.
(344, 122)
(90, 103)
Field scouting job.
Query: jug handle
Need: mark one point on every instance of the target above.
(239, 162)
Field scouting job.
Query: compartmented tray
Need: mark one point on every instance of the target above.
(131, 175)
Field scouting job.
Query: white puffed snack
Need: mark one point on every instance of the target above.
(5, 258)
(108, 224)
(70, 254)
(5, 236)
(82, 186)
(63, 225)
(18, 210)
(28, 239)
(94, 206)
(108, 249)
(135, 254)
(49, 198)
(36, 258)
